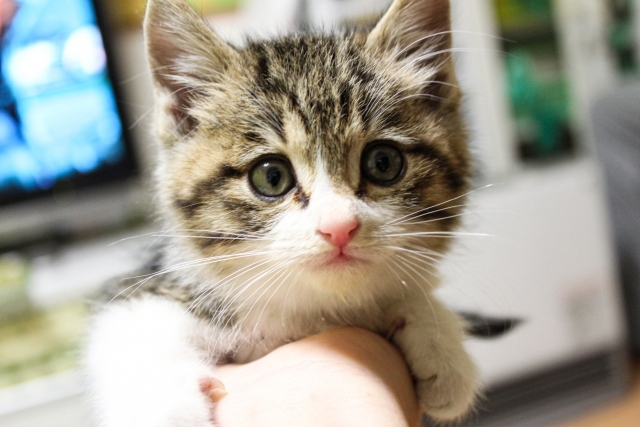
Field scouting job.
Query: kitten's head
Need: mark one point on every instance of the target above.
(337, 161)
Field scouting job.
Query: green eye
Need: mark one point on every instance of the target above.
(272, 177)
(382, 164)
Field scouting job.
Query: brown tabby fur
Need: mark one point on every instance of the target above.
(249, 267)
(300, 95)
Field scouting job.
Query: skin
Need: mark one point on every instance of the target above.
(342, 377)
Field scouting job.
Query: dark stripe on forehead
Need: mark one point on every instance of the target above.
(264, 78)
(365, 110)
(368, 84)
(287, 47)
(345, 104)
(297, 108)
(267, 78)
(454, 177)
(263, 66)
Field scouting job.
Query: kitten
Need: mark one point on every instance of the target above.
(307, 182)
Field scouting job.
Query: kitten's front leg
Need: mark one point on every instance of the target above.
(145, 369)
(430, 337)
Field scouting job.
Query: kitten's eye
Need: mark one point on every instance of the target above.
(382, 164)
(272, 177)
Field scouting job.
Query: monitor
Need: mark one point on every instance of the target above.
(63, 135)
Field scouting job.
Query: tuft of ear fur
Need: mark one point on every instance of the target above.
(185, 56)
(413, 27)
(418, 33)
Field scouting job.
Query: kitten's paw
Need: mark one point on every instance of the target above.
(449, 395)
(178, 414)
(182, 407)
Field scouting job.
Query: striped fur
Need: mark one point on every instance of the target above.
(252, 269)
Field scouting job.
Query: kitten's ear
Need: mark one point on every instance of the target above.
(417, 34)
(184, 55)
(415, 30)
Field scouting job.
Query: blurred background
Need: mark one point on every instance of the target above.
(552, 104)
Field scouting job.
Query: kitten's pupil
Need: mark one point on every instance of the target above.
(273, 176)
(382, 162)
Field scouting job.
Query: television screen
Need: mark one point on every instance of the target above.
(60, 125)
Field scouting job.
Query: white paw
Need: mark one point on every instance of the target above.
(181, 407)
(183, 411)
(449, 394)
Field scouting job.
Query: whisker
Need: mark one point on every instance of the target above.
(264, 306)
(433, 262)
(427, 251)
(426, 296)
(178, 267)
(186, 230)
(243, 287)
(437, 219)
(421, 213)
(230, 237)
(267, 284)
(439, 204)
(441, 234)
(234, 275)
(293, 282)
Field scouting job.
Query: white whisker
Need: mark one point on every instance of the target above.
(427, 209)
(442, 234)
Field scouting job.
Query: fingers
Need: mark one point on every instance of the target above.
(339, 378)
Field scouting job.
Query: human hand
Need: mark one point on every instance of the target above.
(342, 377)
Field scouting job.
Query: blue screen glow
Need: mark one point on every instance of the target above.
(58, 116)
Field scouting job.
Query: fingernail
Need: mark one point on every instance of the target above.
(217, 393)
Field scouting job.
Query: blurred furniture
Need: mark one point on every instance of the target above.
(625, 413)
(617, 134)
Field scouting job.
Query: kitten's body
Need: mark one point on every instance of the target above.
(242, 271)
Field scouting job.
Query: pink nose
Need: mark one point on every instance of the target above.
(339, 233)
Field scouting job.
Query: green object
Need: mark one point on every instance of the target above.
(34, 343)
(41, 343)
(14, 272)
(536, 84)
(622, 39)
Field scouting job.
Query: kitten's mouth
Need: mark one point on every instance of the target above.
(341, 258)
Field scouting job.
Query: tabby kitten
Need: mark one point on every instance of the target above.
(306, 182)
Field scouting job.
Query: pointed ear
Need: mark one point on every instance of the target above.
(414, 29)
(185, 57)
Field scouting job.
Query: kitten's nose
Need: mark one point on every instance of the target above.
(339, 233)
